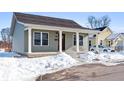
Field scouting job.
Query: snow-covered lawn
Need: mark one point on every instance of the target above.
(23, 68)
(12, 68)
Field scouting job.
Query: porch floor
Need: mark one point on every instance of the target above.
(73, 54)
(41, 54)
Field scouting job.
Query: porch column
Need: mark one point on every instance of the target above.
(60, 41)
(29, 40)
(77, 41)
(97, 42)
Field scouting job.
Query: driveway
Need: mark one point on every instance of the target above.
(88, 72)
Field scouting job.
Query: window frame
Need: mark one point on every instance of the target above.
(48, 38)
(40, 38)
(79, 39)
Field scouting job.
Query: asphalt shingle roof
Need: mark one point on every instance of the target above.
(44, 20)
(100, 29)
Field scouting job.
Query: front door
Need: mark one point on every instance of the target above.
(63, 41)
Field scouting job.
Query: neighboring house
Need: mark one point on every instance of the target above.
(116, 41)
(100, 39)
(33, 34)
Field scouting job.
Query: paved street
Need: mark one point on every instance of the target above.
(90, 72)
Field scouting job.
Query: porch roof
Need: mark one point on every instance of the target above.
(64, 29)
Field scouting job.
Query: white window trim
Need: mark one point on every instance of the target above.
(41, 38)
(79, 40)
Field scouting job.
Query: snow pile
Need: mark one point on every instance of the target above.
(88, 57)
(104, 58)
(116, 56)
(31, 68)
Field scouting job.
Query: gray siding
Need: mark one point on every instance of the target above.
(53, 44)
(68, 40)
(18, 38)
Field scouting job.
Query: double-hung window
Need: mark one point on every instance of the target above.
(44, 38)
(80, 40)
(40, 38)
(37, 38)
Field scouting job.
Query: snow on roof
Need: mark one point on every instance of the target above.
(113, 36)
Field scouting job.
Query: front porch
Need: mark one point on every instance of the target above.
(61, 41)
(57, 41)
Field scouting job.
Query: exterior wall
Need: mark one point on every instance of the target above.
(103, 35)
(18, 38)
(93, 41)
(26, 41)
(70, 43)
(86, 42)
(68, 40)
(118, 44)
(53, 44)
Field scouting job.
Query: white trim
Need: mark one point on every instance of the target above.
(34, 38)
(65, 29)
(40, 38)
(29, 40)
(60, 41)
(77, 41)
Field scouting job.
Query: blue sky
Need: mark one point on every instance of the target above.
(117, 18)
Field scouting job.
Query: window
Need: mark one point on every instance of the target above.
(89, 42)
(74, 39)
(37, 38)
(40, 38)
(109, 43)
(44, 38)
(100, 42)
(80, 40)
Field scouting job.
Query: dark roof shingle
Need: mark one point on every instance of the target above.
(100, 29)
(44, 20)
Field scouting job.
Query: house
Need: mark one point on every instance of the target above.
(35, 35)
(116, 41)
(104, 32)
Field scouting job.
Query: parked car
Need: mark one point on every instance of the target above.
(101, 48)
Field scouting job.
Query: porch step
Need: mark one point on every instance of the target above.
(74, 55)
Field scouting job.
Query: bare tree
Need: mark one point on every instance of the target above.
(91, 21)
(98, 22)
(105, 21)
(5, 34)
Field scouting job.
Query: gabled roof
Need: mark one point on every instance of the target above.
(44, 20)
(100, 29)
(114, 36)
